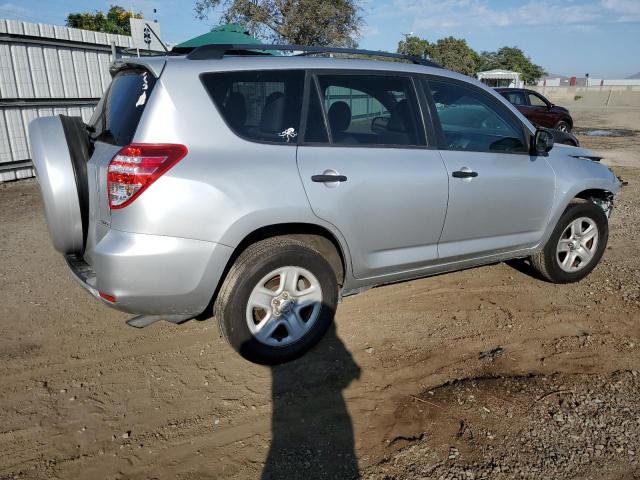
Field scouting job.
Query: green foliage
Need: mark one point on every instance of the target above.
(304, 22)
(454, 54)
(512, 58)
(116, 20)
(415, 46)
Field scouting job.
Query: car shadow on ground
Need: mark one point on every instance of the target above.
(524, 266)
(312, 433)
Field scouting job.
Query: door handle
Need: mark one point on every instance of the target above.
(328, 178)
(464, 174)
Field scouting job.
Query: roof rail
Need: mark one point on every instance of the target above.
(217, 51)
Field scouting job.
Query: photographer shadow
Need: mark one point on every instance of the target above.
(312, 433)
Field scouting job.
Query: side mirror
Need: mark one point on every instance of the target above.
(541, 142)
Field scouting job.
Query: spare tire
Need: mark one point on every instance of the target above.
(60, 148)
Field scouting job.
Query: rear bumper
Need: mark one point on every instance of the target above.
(152, 274)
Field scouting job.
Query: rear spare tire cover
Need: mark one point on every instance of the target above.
(60, 176)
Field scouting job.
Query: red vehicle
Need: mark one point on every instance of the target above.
(538, 109)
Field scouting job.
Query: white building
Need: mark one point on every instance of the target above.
(501, 78)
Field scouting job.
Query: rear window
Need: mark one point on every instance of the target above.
(261, 106)
(118, 113)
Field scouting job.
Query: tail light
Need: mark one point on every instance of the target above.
(136, 166)
(107, 297)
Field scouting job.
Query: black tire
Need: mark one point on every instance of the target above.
(563, 126)
(258, 260)
(545, 262)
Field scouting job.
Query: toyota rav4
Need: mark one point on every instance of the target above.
(262, 188)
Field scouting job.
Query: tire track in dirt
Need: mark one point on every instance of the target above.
(194, 408)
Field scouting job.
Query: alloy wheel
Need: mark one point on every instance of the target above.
(577, 245)
(284, 306)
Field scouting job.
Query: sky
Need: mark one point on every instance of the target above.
(568, 37)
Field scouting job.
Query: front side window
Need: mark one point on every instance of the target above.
(536, 101)
(259, 105)
(371, 110)
(471, 121)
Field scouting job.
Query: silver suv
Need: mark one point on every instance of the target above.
(264, 188)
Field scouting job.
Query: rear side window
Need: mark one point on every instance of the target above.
(371, 110)
(259, 105)
(118, 113)
(316, 129)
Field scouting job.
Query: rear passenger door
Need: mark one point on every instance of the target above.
(368, 169)
(500, 197)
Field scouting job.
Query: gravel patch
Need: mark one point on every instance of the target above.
(556, 427)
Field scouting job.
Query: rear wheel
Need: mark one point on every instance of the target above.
(277, 300)
(575, 246)
(563, 126)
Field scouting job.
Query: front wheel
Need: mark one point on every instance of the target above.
(575, 246)
(277, 300)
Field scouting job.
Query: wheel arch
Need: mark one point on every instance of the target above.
(584, 193)
(599, 193)
(566, 119)
(318, 237)
(313, 235)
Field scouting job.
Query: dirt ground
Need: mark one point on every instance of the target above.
(399, 390)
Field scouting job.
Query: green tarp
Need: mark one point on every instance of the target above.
(230, 33)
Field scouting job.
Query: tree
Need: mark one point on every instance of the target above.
(512, 58)
(305, 22)
(452, 53)
(415, 46)
(116, 20)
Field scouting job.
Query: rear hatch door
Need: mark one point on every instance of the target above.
(113, 126)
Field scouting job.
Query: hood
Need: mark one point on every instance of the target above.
(578, 152)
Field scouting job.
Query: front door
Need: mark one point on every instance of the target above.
(500, 197)
(539, 111)
(367, 170)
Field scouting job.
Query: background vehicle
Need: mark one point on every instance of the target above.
(566, 138)
(538, 109)
(268, 187)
